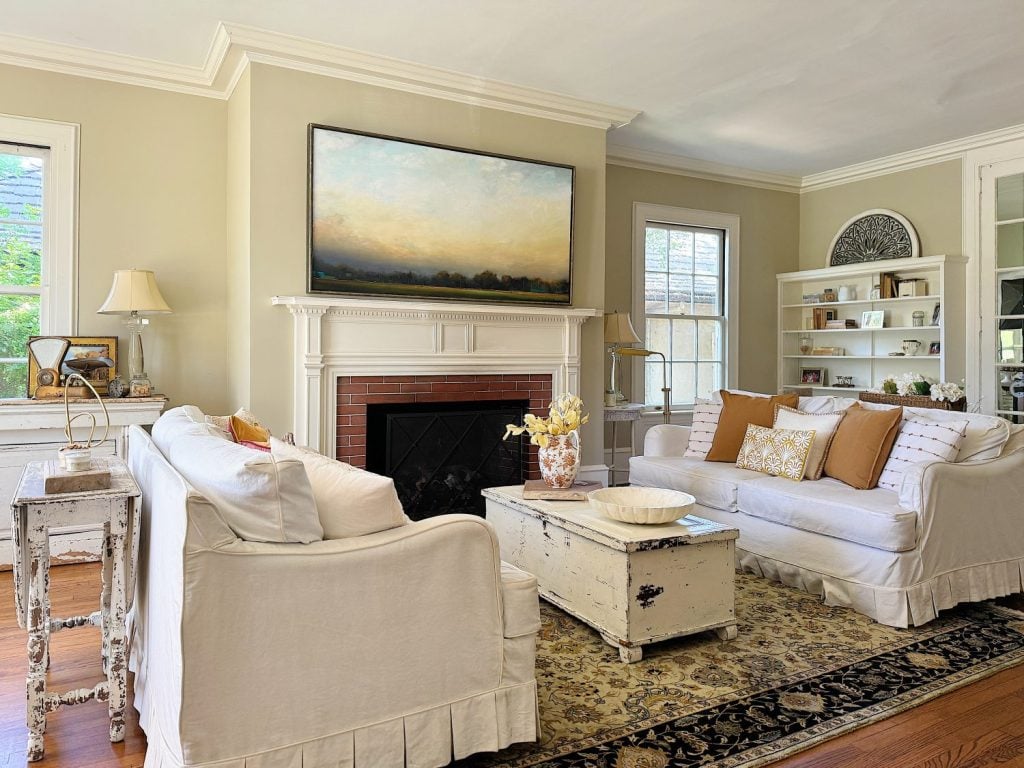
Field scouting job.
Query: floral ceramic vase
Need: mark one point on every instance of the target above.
(560, 460)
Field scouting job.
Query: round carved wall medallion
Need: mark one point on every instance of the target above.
(874, 235)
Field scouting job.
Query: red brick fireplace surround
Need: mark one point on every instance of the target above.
(356, 392)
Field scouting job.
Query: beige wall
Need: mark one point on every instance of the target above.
(930, 197)
(769, 231)
(151, 195)
(239, 178)
(284, 102)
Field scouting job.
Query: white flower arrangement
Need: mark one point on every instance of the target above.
(916, 384)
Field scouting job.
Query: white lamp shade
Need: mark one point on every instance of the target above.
(618, 329)
(134, 290)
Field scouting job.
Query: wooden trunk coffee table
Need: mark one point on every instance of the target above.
(635, 584)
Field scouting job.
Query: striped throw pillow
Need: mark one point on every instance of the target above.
(921, 440)
(705, 421)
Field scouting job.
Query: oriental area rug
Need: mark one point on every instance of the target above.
(799, 673)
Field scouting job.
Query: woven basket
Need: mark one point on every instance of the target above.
(914, 401)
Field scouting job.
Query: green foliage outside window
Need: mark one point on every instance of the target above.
(20, 262)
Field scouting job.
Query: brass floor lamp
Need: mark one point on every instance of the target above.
(666, 390)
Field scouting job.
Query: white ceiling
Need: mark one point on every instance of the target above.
(782, 86)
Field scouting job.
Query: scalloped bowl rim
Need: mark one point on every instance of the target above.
(645, 509)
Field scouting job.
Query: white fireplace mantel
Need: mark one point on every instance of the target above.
(340, 336)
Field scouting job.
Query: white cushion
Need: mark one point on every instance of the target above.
(712, 484)
(986, 435)
(702, 432)
(825, 404)
(824, 426)
(183, 420)
(350, 501)
(261, 497)
(830, 507)
(921, 440)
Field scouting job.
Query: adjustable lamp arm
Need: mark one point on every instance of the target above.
(666, 390)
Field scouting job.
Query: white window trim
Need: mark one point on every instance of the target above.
(59, 281)
(669, 214)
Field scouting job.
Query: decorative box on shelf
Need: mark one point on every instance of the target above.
(914, 401)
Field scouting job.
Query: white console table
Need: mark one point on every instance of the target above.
(33, 430)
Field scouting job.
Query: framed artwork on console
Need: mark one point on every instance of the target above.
(395, 217)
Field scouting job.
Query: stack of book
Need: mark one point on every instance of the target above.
(841, 324)
(889, 285)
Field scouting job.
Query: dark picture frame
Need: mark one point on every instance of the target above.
(389, 216)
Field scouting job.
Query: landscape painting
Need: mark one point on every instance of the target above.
(399, 218)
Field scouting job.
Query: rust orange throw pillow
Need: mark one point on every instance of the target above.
(248, 434)
(861, 445)
(737, 412)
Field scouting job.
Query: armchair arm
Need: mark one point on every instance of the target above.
(666, 440)
(350, 632)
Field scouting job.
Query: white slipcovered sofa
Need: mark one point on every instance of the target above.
(405, 647)
(954, 533)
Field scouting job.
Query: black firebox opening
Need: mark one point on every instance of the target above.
(441, 454)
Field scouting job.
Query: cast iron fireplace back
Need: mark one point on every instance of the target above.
(441, 454)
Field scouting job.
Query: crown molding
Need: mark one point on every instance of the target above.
(915, 158)
(234, 46)
(664, 162)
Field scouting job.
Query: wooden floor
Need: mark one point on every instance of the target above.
(980, 725)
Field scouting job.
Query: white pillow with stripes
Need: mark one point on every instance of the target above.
(921, 440)
(705, 422)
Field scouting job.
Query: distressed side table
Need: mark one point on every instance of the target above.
(634, 584)
(34, 513)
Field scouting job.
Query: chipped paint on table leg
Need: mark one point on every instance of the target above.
(38, 653)
(628, 654)
(105, 576)
(728, 632)
(115, 629)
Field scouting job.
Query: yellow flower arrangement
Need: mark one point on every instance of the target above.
(565, 415)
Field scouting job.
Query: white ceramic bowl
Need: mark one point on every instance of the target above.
(645, 506)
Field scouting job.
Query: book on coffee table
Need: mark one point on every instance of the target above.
(538, 489)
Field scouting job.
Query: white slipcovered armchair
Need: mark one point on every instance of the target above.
(400, 648)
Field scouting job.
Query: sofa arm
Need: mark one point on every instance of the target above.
(971, 512)
(666, 440)
(520, 602)
(359, 630)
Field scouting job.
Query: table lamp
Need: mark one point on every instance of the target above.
(618, 330)
(666, 390)
(134, 293)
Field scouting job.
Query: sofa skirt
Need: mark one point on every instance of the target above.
(486, 722)
(895, 606)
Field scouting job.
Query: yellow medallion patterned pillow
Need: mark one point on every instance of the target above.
(779, 452)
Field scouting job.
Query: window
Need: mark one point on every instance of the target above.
(685, 275)
(37, 173)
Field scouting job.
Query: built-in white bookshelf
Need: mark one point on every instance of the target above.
(867, 352)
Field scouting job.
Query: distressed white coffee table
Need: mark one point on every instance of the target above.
(35, 512)
(635, 584)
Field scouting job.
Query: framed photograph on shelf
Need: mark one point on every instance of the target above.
(935, 348)
(393, 217)
(813, 376)
(94, 357)
(874, 318)
(937, 314)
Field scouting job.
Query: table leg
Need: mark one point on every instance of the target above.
(107, 555)
(628, 654)
(728, 632)
(114, 630)
(615, 454)
(38, 636)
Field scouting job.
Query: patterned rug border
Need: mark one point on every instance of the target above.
(816, 735)
(810, 737)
